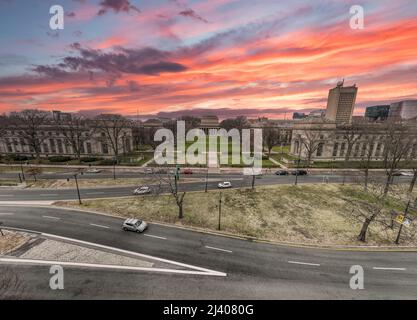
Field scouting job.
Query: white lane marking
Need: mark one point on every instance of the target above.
(152, 236)
(206, 271)
(305, 263)
(99, 225)
(50, 217)
(6, 195)
(394, 269)
(6, 214)
(103, 266)
(95, 193)
(218, 249)
(48, 194)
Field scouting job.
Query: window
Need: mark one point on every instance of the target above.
(378, 149)
(356, 152)
(363, 150)
(320, 150)
(105, 148)
(335, 149)
(342, 149)
(89, 148)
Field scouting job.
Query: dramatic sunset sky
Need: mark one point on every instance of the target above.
(224, 57)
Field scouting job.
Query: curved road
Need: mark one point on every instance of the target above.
(28, 194)
(254, 270)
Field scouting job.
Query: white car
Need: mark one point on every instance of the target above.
(93, 171)
(134, 225)
(225, 184)
(142, 190)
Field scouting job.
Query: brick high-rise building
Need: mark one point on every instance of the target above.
(340, 103)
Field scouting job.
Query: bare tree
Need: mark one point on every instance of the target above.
(75, 131)
(397, 142)
(27, 125)
(171, 180)
(271, 138)
(311, 141)
(351, 134)
(112, 128)
(412, 159)
(368, 150)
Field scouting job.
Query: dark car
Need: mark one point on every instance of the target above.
(188, 171)
(282, 173)
(299, 173)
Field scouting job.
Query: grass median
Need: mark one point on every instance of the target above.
(309, 214)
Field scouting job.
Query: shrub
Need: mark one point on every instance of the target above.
(17, 157)
(107, 162)
(90, 159)
(59, 159)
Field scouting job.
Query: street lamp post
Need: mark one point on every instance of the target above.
(298, 164)
(78, 190)
(206, 180)
(220, 209)
(21, 169)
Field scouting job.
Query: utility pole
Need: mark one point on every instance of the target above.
(397, 241)
(114, 169)
(253, 181)
(78, 190)
(220, 208)
(298, 164)
(21, 169)
(206, 180)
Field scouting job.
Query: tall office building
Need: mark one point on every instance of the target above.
(403, 110)
(340, 103)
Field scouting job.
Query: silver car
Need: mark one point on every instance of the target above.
(142, 190)
(224, 185)
(135, 225)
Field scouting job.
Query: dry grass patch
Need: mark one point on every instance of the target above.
(314, 214)
(12, 240)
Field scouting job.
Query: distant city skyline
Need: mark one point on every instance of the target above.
(169, 58)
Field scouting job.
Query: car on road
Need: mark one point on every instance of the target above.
(224, 185)
(282, 173)
(93, 171)
(188, 171)
(398, 173)
(134, 225)
(142, 190)
(299, 172)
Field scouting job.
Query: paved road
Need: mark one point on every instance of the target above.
(9, 194)
(254, 270)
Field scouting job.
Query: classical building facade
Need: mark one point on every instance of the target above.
(51, 141)
(339, 135)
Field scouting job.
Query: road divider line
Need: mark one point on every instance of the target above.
(95, 193)
(305, 263)
(218, 249)
(6, 214)
(391, 269)
(50, 217)
(48, 194)
(99, 226)
(103, 266)
(152, 236)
